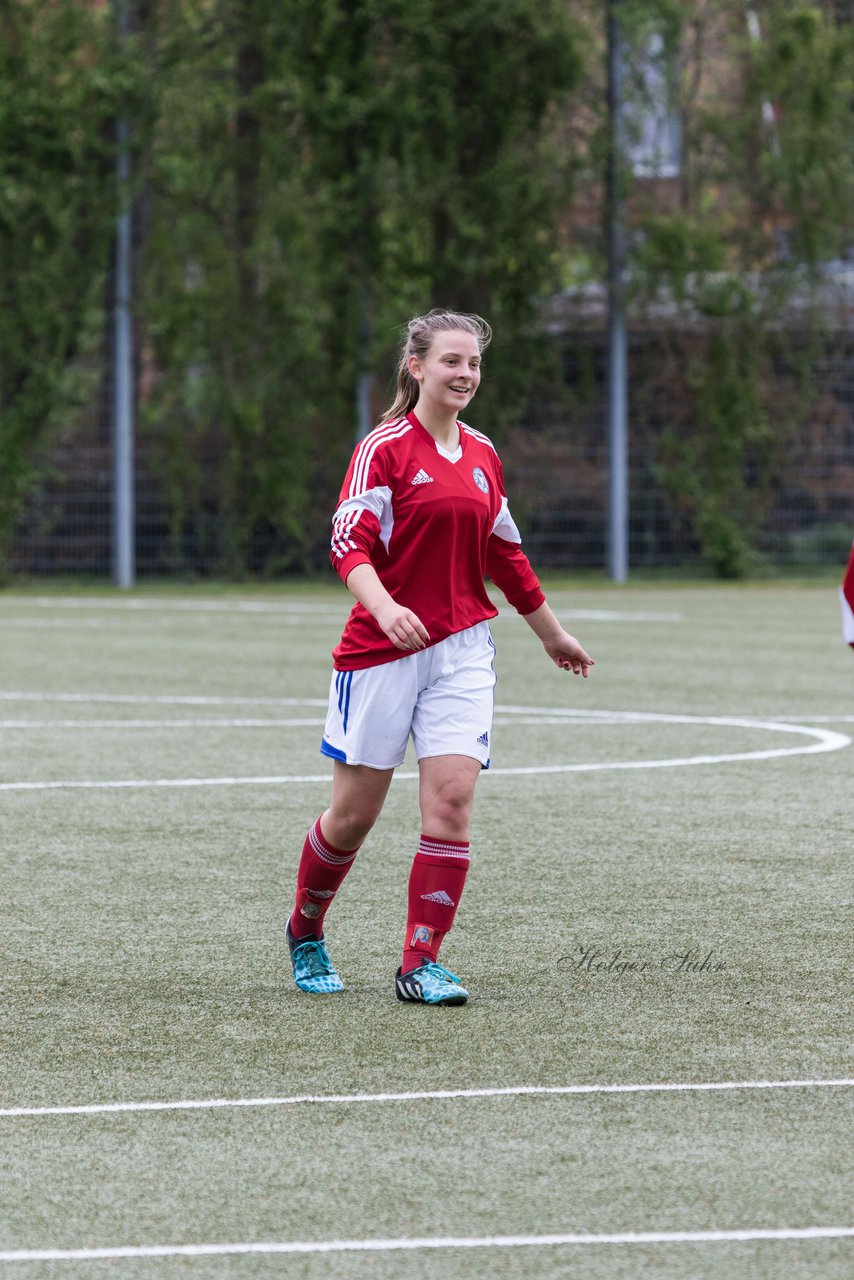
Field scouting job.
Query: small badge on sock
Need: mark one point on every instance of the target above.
(421, 935)
(311, 910)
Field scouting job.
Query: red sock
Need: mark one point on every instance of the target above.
(321, 870)
(435, 887)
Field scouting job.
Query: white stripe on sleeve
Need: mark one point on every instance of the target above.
(479, 436)
(365, 453)
(378, 502)
(505, 525)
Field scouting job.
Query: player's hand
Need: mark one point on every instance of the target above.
(566, 653)
(403, 627)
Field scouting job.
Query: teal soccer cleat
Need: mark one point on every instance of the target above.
(314, 972)
(430, 984)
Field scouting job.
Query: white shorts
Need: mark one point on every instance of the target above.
(442, 696)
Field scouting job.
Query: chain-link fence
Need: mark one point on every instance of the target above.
(794, 493)
(796, 483)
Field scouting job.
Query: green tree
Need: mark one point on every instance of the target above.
(61, 80)
(482, 93)
(763, 204)
(319, 170)
(228, 291)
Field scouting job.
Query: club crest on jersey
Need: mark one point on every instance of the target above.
(480, 480)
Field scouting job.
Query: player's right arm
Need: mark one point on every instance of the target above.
(403, 627)
(364, 514)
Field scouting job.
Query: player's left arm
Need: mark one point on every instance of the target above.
(508, 567)
(510, 570)
(564, 650)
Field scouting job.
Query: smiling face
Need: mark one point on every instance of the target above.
(449, 374)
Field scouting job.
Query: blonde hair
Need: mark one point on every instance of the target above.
(420, 332)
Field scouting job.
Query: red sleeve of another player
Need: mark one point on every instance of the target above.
(510, 570)
(846, 597)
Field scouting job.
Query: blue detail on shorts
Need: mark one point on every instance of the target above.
(327, 749)
(348, 680)
(485, 766)
(343, 681)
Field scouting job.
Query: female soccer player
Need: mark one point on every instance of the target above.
(422, 518)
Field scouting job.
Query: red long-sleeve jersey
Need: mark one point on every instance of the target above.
(433, 525)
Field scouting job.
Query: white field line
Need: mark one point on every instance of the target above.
(159, 700)
(829, 742)
(121, 624)
(561, 713)
(147, 783)
(271, 723)
(166, 605)
(282, 609)
(425, 1095)
(825, 740)
(817, 719)
(612, 615)
(165, 724)
(426, 1242)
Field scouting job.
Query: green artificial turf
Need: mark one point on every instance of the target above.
(143, 955)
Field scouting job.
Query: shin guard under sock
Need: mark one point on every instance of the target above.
(322, 868)
(435, 887)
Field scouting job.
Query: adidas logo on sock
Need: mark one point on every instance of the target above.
(439, 896)
(422, 478)
(484, 739)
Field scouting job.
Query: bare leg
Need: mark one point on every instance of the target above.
(358, 795)
(446, 794)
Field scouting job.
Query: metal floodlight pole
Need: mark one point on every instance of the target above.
(618, 487)
(123, 498)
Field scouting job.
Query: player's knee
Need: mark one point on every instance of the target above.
(449, 812)
(348, 829)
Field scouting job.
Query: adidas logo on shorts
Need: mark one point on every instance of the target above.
(439, 896)
(422, 478)
(484, 739)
